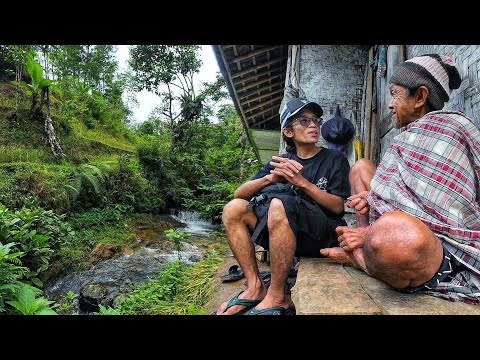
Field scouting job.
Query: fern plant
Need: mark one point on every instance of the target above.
(89, 182)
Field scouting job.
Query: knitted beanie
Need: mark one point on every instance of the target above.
(432, 71)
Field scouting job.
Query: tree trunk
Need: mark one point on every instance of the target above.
(52, 138)
(49, 129)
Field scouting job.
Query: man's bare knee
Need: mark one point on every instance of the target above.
(276, 213)
(234, 210)
(360, 165)
(400, 250)
(362, 169)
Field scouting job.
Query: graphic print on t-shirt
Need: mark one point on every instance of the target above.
(322, 183)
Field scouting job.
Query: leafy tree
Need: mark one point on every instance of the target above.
(38, 87)
(39, 84)
(93, 65)
(172, 67)
(16, 55)
(88, 85)
(44, 53)
(226, 160)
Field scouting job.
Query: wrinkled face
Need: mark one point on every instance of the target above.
(402, 106)
(304, 134)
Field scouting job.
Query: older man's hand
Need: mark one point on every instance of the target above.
(359, 202)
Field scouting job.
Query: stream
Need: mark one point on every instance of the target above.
(109, 279)
(194, 223)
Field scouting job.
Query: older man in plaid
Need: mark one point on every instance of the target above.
(418, 213)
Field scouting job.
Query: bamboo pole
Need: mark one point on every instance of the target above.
(373, 138)
(368, 105)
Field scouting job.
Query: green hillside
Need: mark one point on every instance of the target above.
(76, 177)
(28, 167)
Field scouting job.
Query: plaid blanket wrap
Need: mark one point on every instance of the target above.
(432, 171)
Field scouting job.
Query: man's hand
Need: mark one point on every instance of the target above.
(274, 178)
(288, 169)
(359, 202)
(349, 238)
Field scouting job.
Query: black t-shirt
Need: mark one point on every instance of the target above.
(328, 169)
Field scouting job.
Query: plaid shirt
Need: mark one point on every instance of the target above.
(432, 171)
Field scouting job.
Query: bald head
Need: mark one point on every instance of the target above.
(401, 251)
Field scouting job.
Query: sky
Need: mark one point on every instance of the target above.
(147, 100)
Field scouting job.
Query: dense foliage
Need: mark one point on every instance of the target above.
(190, 153)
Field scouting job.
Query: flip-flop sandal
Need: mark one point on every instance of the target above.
(249, 304)
(234, 273)
(276, 310)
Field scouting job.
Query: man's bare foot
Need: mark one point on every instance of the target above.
(237, 305)
(337, 254)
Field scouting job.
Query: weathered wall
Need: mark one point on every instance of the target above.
(385, 132)
(333, 75)
(466, 98)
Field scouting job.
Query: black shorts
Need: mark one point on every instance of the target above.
(448, 269)
(312, 228)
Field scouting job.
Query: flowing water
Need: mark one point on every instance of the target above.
(193, 221)
(108, 279)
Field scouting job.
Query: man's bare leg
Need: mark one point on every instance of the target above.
(401, 250)
(403, 258)
(282, 245)
(237, 220)
(360, 176)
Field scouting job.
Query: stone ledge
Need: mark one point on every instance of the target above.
(324, 287)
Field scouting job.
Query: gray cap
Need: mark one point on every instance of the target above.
(293, 106)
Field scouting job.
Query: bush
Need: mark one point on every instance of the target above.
(36, 233)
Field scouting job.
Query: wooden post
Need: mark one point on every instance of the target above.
(373, 138)
(368, 105)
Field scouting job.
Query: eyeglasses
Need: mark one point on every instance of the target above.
(305, 121)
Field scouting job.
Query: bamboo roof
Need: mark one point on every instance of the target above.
(255, 78)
